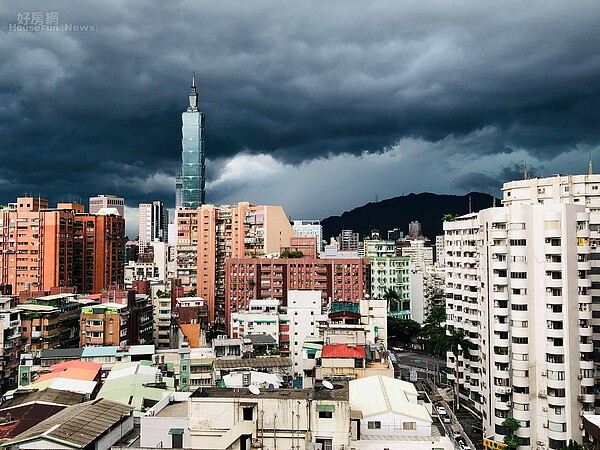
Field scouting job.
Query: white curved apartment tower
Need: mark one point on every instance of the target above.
(519, 282)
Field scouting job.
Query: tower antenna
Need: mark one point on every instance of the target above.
(590, 170)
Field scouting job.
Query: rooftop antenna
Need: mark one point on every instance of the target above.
(590, 171)
(470, 206)
(525, 174)
(254, 389)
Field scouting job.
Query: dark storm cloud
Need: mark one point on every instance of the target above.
(99, 111)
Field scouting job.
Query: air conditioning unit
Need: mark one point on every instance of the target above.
(580, 397)
(541, 443)
(542, 394)
(579, 377)
(508, 403)
(545, 425)
(581, 414)
(508, 390)
(581, 426)
(544, 408)
(543, 373)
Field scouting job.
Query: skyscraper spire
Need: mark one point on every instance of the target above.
(193, 96)
(590, 170)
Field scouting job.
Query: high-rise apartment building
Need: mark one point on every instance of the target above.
(104, 201)
(309, 228)
(98, 244)
(247, 279)
(190, 183)
(37, 246)
(519, 283)
(389, 272)
(153, 223)
(207, 236)
(44, 248)
(348, 240)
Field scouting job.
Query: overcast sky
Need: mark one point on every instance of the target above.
(316, 106)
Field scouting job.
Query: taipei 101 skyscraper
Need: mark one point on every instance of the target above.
(190, 191)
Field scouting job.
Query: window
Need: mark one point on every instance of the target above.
(518, 242)
(520, 340)
(374, 425)
(247, 413)
(556, 426)
(520, 357)
(518, 275)
(518, 307)
(409, 425)
(325, 415)
(521, 406)
(555, 375)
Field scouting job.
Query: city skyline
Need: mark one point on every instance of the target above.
(299, 103)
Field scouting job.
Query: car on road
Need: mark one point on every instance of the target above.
(456, 434)
(441, 410)
(464, 446)
(445, 418)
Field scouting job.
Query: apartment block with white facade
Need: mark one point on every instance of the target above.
(518, 281)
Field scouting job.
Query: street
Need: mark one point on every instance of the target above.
(424, 366)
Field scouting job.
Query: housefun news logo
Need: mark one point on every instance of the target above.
(43, 21)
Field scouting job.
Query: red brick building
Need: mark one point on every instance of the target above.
(255, 278)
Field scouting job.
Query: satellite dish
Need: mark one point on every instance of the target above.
(271, 387)
(327, 385)
(252, 388)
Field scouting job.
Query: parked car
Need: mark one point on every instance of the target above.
(441, 410)
(456, 434)
(445, 418)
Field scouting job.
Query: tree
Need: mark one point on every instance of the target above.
(291, 254)
(511, 439)
(436, 316)
(456, 341)
(404, 330)
(449, 217)
(393, 300)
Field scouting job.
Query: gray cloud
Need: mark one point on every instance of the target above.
(308, 83)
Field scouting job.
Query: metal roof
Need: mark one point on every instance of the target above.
(269, 362)
(343, 351)
(261, 339)
(77, 425)
(53, 396)
(57, 353)
(91, 352)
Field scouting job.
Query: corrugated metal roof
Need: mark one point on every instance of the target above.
(79, 425)
(93, 352)
(253, 363)
(56, 353)
(23, 417)
(379, 394)
(343, 351)
(54, 396)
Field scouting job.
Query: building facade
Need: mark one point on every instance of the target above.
(209, 235)
(255, 278)
(190, 184)
(104, 201)
(519, 284)
(389, 272)
(154, 223)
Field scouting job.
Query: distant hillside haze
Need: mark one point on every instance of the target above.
(397, 212)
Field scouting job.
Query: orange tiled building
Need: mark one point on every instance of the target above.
(207, 236)
(42, 248)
